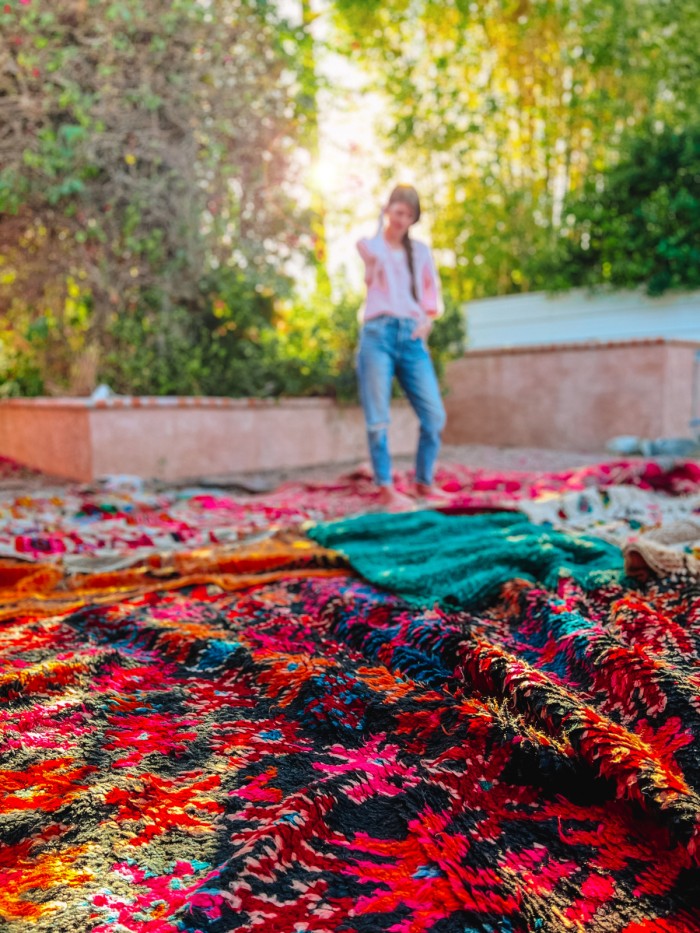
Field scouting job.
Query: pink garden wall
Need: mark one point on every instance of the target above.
(571, 396)
(186, 438)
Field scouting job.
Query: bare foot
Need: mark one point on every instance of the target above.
(393, 500)
(362, 471)
(428, 491)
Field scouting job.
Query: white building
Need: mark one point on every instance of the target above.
(578, 315)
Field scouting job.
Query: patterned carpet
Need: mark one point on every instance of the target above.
(419, 722)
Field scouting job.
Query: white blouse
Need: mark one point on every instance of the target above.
(388, 279)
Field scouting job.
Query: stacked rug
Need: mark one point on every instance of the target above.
(444, 722)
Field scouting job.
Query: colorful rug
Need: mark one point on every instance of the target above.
(252, 736)
(92, 528)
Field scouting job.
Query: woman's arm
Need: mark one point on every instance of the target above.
(369, 248)
(431, 299)
(370, 261)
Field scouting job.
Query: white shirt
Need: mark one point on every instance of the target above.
(389, 283)
(404, 304)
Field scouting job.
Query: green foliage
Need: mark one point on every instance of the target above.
(448, 336)
(315, 344)
(240, 343)
(150, 179)
(20, 374)
(638, 223)
(148, 140)
(503, 108)
(237, 341)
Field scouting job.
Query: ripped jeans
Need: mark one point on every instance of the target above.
(387, 350)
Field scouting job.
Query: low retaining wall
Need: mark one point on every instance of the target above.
(573, 396)
(184, 438)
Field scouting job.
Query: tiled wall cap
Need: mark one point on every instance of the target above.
(166, 401)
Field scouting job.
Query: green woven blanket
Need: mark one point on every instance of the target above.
(461, 561)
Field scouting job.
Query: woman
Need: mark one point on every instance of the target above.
(403, 299)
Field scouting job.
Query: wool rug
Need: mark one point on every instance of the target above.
(84, 527)
(312, 754)
(270, 736)
(462, 561)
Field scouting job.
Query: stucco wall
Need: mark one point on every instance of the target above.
(181, 438)
(571, 397)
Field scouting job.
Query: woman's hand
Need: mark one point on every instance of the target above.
(370, 266)
(422, 331)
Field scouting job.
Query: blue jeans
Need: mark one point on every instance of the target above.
(387, 350)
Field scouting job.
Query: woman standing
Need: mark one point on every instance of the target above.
(403, 299)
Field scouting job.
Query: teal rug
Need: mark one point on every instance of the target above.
(462, 561)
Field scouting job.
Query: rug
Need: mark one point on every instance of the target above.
(264, 736)
(306, 755)
(88, 528)
(462, 561)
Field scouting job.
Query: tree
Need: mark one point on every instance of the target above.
(143, 143)
(509, 105)
(639, 221)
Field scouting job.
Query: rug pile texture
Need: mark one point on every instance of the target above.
(296, 713)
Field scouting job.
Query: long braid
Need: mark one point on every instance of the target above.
(408, 246)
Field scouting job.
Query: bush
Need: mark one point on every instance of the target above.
(149, 140)
(236, 340)
(638, 223)
(217, 345)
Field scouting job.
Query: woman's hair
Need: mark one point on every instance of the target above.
(407, 194)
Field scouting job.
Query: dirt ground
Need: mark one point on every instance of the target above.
(473, 455)
(478, 456)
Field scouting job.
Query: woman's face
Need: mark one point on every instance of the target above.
(399, 217)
